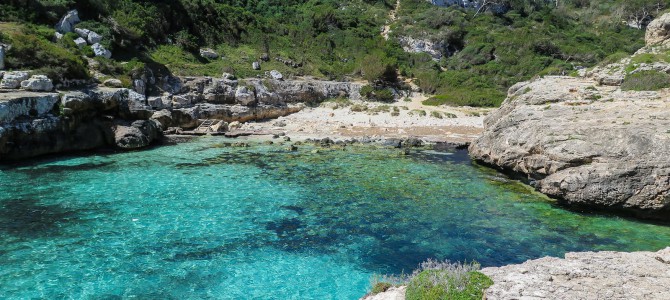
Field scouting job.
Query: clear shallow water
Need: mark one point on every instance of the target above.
(201, 221)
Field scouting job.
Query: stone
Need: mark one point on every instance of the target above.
(26, 105)
(93, 38)
(227, 76)
(584, 145)
(392, 293)
(160, 102)
(164, 117)
(140, 86)
(220, 126)
(208, 53)
(138, 134)
(244, 96)
(12, 80)
(584, 275)
(82, 33)
(180, 101)
(2, 57)
(256, 65)
(658, 31)
(235, 125)
(99, 50)
(265, 57)
(113, 83)
(38, 83)
(415, 45)
(276, 75)
(58, 36)
(67, 22)
(80, 42)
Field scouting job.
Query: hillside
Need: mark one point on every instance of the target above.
(473, 54)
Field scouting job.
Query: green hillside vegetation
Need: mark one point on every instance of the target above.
(331, 39)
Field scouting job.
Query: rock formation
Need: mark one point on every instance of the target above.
(587, 144)
(2, 57)
(34, 124)
(585, 275)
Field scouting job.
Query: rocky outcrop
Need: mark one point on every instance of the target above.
(33, 124)
(658, 31)
(12, 80)
(585, 275)
(38, 83)
(208, 53)
(2, 57)
(584, 144)
(100, 50)
(415, 45)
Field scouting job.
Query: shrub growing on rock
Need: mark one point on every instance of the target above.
(650, 80)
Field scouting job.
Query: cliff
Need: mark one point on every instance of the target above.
(587, 141)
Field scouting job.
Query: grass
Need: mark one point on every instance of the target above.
(437, 280)
(646, 81)
(486, 97)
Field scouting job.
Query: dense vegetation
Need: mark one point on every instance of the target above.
(485, 52)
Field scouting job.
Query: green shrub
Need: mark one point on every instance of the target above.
(359, 107)
(646, 81)
(485, 97)
(380, 287)
(442, 285)
(436, 114)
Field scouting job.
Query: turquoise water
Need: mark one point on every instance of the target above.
(204, 221)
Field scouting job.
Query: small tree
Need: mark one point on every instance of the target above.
(378, 68)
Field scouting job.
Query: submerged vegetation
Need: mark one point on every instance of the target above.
(482, 54)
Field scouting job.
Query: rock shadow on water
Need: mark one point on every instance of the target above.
(30, 219)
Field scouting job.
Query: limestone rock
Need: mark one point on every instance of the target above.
(99, 50)
(256, 65)
(244, 96)
(585, 275)
(161, 102)
(12, 80)
(138, 134)
(18, 105)
(58, 36)
(80, 42)
(583, 144)
(164, 117)
(276, 75)
(208, 53)
(393, 293)
(227, 76)
(658, 31)
(220, 126)
(38, 83)
(67, 22)
(93, 38)
(140, 86)
(180, 101)
(114, 83)
(413, 45)
(82, 33)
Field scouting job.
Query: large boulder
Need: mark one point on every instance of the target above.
(38, 83)
(658, 31)
(67, 22)
(164, 117)
(208, 53)
(12, 80)
(138, 134)
(93, 37)
(82, 33)
(99, 50)
(244, 96)
(80, 42)
(583, 144)
(276, 75)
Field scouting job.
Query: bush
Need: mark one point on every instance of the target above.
(484, 97)
(646, 81)
(379, 67)
(443, 280)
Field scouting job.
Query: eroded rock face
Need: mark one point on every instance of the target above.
(585, 275)
(658, 31)
(12, 80)
(584, 144)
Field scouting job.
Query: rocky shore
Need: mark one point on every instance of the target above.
(585, 141)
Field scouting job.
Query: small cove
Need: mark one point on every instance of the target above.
(201, 220)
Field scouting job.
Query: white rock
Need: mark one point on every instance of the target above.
(99, 50)
(58, 35)
(276, 75)
(179, 101)
(114, 83)
(208, 53)
(38, 83)
(244, 96)
(80, 42)
(256, 65)
(93, 38)
(228, 76)
(139, 86)
(12, 80)
(82, 32)
(66, 24)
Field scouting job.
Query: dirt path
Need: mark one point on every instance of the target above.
(393, 16)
